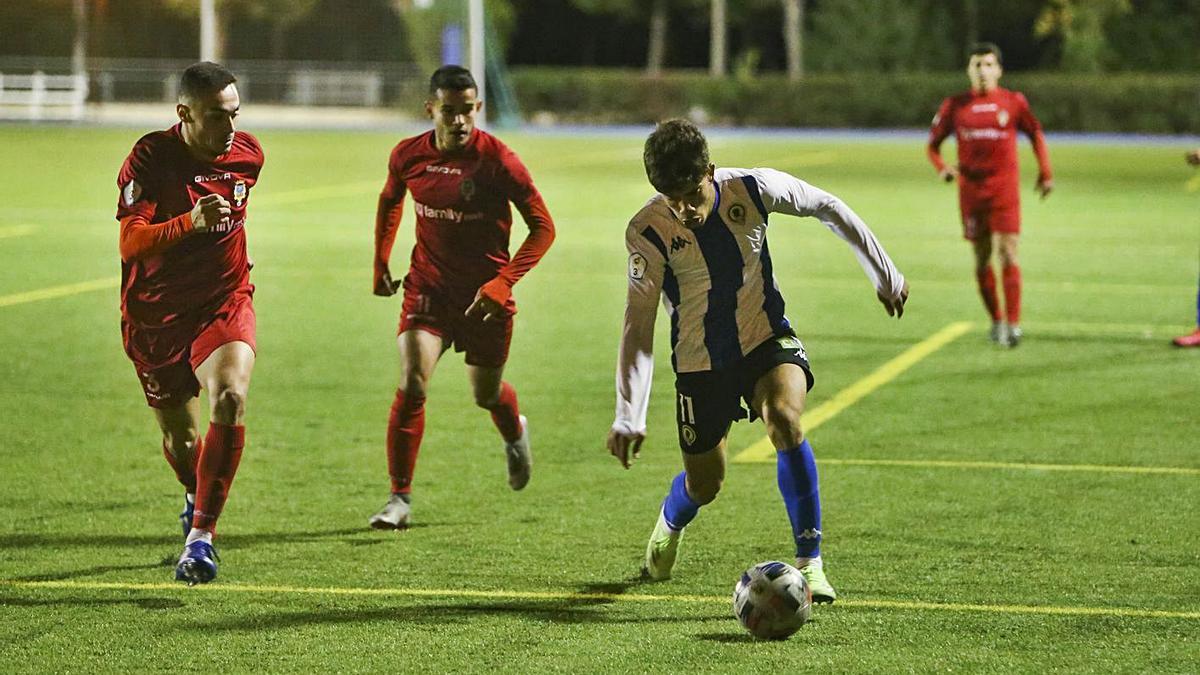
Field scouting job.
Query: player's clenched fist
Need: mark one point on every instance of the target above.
(211, 212)
(626, 446)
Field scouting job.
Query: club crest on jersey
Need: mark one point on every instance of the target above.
(467, 189)
(689, 434)
(737, 213)
(1002, 117)
(637, 266)
(132, 193)
(239, 192)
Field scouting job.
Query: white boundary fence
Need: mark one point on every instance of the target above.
(42, 97)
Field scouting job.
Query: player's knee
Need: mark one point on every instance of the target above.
(229, 403)
(180, 441)
(415, 385)
(783, 424)
(488, 399)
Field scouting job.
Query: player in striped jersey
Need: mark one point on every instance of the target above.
(701, 244)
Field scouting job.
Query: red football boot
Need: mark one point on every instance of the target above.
(1192, 339)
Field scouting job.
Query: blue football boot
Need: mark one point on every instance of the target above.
(185, 516)
(197, 564)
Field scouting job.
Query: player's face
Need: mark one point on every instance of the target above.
(453, 114)
(208, 121)
(984, 71)
(693, 203)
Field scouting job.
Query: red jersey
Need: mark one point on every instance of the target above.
(172, 282)
(985, 126)
(461, 202)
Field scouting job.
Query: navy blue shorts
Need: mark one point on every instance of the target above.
(708, 402)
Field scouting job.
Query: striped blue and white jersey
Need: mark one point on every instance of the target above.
(717, 282)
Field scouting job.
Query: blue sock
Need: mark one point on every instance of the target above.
(678, 507)
(797, 471)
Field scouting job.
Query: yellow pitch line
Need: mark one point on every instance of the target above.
(58, 291)
(966, 464)
(763, 451)
(568, 596)
(15, 231)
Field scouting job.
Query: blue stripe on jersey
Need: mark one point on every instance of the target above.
(670, 286)
(724, 261)
(773, 299)
(752, 189)
(652, 237)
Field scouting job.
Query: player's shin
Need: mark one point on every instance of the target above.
(1012, 294)
(679, 508)
(183, 463)
(985, 278)
(797, 473)
(505, 414)
(222, 452)
(406, 427)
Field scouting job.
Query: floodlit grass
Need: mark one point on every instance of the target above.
(961, 567)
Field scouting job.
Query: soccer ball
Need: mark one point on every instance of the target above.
(772, 600)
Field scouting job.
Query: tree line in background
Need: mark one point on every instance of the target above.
(723, 36)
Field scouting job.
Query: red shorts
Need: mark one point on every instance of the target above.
(983, 216)
(485, 343)
(173, 383)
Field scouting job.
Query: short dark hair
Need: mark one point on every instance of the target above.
(451, 78)
(204, 78)
(676, 156)
(981, 48)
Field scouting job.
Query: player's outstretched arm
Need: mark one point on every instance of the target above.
(939, 130)
(784, 193)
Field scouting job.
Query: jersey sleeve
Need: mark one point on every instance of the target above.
(646, 267)
(784, 193)
(519, 189)
(388, 212)
(939, 130)
(139, 185)
(1028, 123)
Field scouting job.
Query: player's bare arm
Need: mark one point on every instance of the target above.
(626, 446)
(211, 212)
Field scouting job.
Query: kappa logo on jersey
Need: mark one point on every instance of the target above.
(467, 188)
(637, 266)
(448, 170)
(132, 193)
(737, 213)
(239, 192)
(1002, 117)
(678, 243)
(213, 178)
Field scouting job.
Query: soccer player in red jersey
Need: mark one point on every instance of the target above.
(187, 319)
(1192, 339)
(458, 290)
(985, 121)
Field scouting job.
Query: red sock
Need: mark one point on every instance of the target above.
(186, 474)
(1012, 293)
(406, 427)
(505, 415)
(215, 470)
(986, 279)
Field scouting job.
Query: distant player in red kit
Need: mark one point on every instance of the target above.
(985, 121)
(458, 291)
(1192, 339)
(186, 313)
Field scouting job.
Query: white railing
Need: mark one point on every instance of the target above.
(42, 97)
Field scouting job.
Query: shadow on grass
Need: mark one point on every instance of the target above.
(92, 571)
(439, 616)
(232, 541)
(144, 603)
